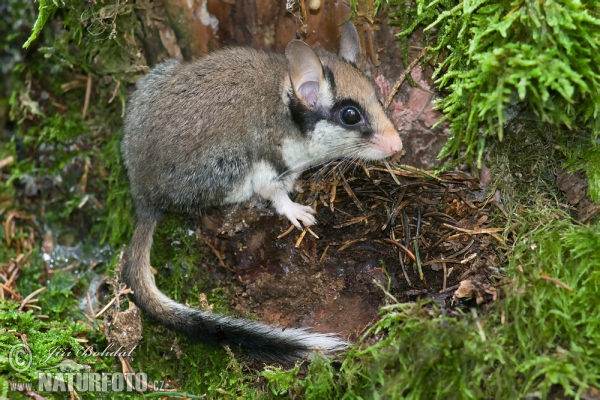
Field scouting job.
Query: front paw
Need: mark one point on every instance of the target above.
(297, 212)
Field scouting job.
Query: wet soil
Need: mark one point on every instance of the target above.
(335, 283)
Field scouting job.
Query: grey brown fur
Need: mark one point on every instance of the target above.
(236, 123)
(207, 130)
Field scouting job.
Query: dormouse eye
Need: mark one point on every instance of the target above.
(350, 116)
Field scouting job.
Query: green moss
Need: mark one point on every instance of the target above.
(494, 57)
(50, 343)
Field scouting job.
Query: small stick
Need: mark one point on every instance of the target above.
(464, 250)
(284, 234)
(449, 289)
(126, 290)
(301, 238)
(364, 167)
(466, 260)
(418, 232)
(126, 368)
(556, 281)
(349, 242)
(401, 257)
(440, 260)
(115, 92)
(402, 78)
(303, 10)
(6, 161)
(502, 210)
(353, 221)
(405, 170)
(436, 244)
(474, 231)
(323, 255)
(13, 275)
(332, 197)
(215, 252)
(311, 232)
(371, 46)
(26, 299)
(498, 238)
(350, 192)
(406, 228)
(418, 259)
(88, 95)
(400, 246)
(445, 275)
(389, 168)
(91, 309)
(395, 212)
(404, 268)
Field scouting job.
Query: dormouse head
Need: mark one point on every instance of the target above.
(334, 104)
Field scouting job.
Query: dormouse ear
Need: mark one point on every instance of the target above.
(349, 43)
(306, 72)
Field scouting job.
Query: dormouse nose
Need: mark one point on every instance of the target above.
(392, 142)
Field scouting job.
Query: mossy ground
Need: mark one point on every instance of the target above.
(540, 339)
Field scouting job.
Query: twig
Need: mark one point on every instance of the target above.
(303, 10)
(365, 169)
(418, 259)
(301, 238)
(215, 252)
(464, 250)
(404, 268)
(406, 170)
(284, 234)
(445, 276)
(402, 77)
(350, 192)
(311, 232)
(26, 299)
(395, 211)
(349, 242)
(436, 244)
(400, 246)
(440, 260)
(125, 290)
(88, 95)
(502, 210)
(449, 289)
(324, 253)
(353, 221)
(389, 168)
(466, 260)
(333, 193)
(6, 161)
(556, 281)
(401, 258)
(115, 92)
(90, 307)
(474, 231)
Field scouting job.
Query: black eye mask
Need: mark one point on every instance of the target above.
(351, 115)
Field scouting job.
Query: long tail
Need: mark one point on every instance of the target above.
(260, 341)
